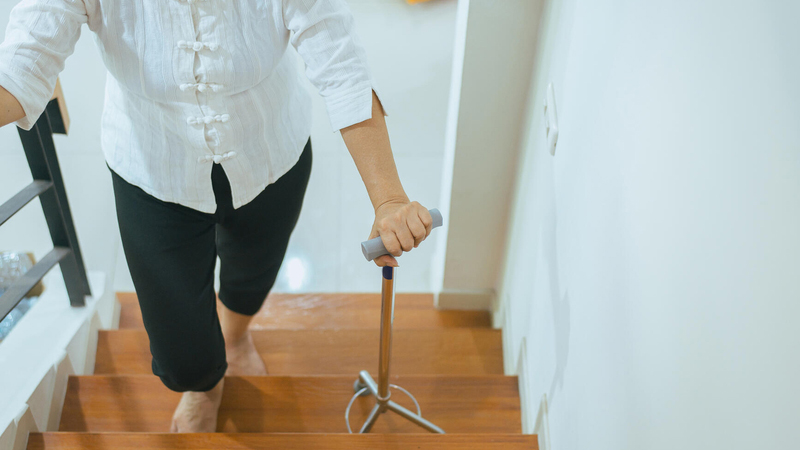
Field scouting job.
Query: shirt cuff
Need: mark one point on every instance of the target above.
(26, 94)
(352, 106)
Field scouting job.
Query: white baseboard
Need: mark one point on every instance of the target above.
(9, 432)
(534, 415)
(25, 423)
(63, 369)
(542, 425)
(479, 299)
(116, 311)
(527, 409)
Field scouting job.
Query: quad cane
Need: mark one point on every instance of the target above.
(365, 384)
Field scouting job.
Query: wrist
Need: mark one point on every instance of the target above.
(398, 199)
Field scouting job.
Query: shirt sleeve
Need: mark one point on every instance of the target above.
(41, 34)
(323, 33)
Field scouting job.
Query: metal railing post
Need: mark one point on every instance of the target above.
(41, 154)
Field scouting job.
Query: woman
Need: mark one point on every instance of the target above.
(206, 131)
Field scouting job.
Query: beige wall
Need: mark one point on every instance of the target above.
(495, 45)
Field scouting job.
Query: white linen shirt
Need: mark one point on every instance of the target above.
(192, 83)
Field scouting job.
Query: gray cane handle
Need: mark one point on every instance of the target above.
(374, 247)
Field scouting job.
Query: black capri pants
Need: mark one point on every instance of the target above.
(171, 251)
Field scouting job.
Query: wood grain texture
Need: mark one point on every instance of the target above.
(58, 94)
(258, 441)
(336, 311)
(140, 403)
(446, 351)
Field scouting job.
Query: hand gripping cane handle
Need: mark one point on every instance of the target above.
(374, 247)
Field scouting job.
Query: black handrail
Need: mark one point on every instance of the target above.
(48, 185)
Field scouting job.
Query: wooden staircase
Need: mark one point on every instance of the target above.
(313, 346)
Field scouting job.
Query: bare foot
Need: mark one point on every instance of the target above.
(197, 411)
(243, 358)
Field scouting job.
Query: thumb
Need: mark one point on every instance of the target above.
(386, 260)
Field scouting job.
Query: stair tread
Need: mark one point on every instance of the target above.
(284, 441)
(336, 310)
(140, 403)
(456, 351)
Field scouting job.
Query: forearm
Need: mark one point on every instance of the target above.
(368, 143)
(10, 109)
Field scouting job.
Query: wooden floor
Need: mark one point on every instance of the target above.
(446, 351)
(242, 441)
(337, 311)
(313, 346)
(298, 404)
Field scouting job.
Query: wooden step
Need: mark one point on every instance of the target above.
(288, 441)
(446, 351)
(325, 311)
(140, 403)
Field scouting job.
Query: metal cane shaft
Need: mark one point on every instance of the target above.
(387, 317)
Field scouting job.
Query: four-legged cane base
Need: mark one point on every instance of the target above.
(365, 385)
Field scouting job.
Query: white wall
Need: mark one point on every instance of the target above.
(651, 269)
(495, 44)
(410, 50)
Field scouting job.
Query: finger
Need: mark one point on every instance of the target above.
(417, 229)
(374, 233)
(426, 219)
(391, 243)
(386, 260)
(404, 236)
